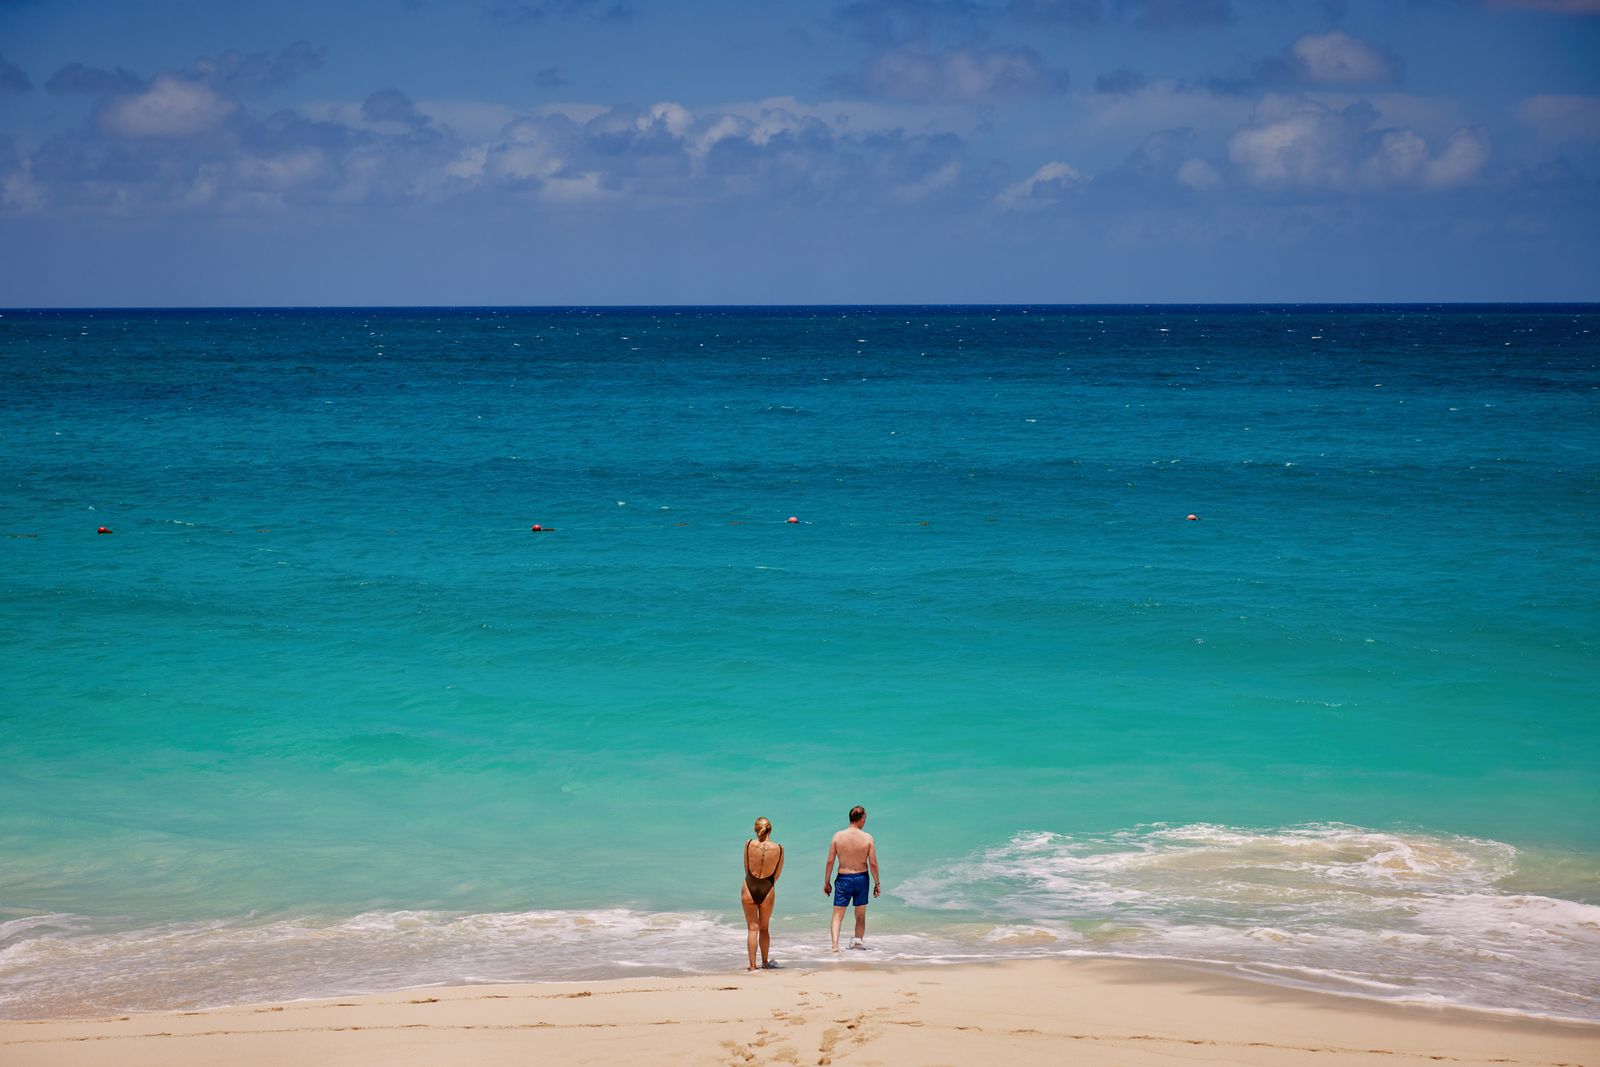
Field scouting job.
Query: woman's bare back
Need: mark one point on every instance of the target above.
(763, 858)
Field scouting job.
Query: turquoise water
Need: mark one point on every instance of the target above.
(324, 715)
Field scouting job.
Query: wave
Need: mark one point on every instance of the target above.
(64, 966)
(1400, 916)
(1394, 916)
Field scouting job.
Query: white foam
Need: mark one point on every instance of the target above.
(1336, 907)
(1391, 915)
(70, 969)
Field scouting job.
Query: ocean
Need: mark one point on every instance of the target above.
(1265, 637)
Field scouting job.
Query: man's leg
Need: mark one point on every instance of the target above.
(861, 922)
(838, 921)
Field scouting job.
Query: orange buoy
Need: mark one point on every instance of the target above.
(791, 518)
(1193, 517)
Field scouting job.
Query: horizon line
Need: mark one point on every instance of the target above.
(993, 305)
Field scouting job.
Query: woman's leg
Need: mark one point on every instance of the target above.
(752, 923)
(766, 922)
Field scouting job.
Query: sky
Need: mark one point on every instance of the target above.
(551, 152)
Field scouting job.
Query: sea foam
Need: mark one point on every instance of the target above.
(1405, 916)
(1395, 916)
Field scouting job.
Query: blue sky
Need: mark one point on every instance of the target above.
(874, 151)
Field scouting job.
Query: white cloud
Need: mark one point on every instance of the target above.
(1198, 174)
(1401, 157)
(1398, 158)
(760, 130)
(584, 187)
(529, 150)
(669, 153)
(1305, 147)
(674, 118)
(1462, 159)
(850, 116)
(1562, 117)
(1336, 58)
(1308, 145)
(470, 164)
(171, 107)
(1048, 185)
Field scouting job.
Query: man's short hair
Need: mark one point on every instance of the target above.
(857, 813)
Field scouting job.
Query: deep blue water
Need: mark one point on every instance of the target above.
(324, 714)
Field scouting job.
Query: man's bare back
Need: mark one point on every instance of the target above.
(853, 846)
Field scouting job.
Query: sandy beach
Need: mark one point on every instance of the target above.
(1086, 1012)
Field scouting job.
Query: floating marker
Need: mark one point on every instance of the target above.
(536, 528)
(791, 518)
(103, 530)
(1193, 517)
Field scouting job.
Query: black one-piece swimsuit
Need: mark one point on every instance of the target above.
(759, 887)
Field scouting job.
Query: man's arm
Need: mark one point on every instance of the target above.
(827, 871)
(872, 862)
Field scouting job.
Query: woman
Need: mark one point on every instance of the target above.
(763, 864)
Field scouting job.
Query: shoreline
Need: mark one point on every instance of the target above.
(1100, 1011)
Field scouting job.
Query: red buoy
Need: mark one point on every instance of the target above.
(536, 528)
(1193, 517)
(103, 530)
(791, 518)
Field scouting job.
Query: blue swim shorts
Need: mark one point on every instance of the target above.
(851, 889)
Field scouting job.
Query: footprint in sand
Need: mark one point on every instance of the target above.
(740, 1054)
(830, 1038)
(855, 1030)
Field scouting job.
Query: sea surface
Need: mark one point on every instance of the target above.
(1261, 636)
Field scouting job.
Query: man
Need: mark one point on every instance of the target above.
(854, 849)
